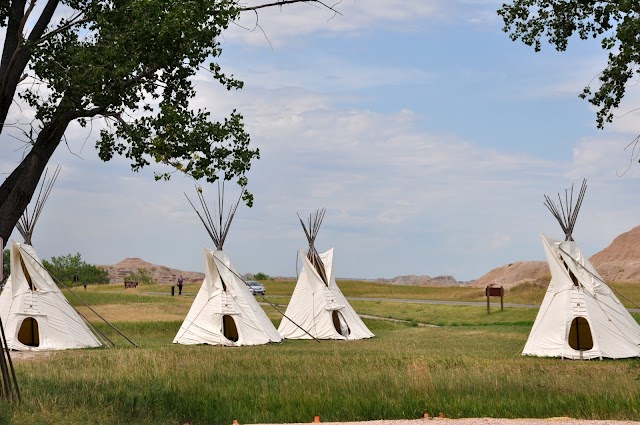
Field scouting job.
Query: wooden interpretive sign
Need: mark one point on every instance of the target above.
(493, 291)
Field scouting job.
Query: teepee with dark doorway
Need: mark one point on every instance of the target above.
(35, 313)
(9, 389)
(580, 316)
(224, 311)
(317, 308)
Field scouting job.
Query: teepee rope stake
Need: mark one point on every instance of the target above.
(103, 319)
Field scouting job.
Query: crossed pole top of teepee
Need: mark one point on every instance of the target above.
(217, 225)
(311, 230)
(566, 213)
(27, 223)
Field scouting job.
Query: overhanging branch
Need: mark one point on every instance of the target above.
(286, 2)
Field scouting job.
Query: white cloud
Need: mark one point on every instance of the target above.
(278, 26)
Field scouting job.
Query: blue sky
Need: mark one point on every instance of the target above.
(428, 136)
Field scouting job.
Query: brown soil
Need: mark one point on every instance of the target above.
(620, 261)
(513, 274)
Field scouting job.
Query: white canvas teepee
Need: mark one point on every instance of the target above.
(317, 308)
(35, 314)
(224, 311)
(580, 317)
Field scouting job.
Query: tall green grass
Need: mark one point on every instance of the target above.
(447, 315)
(353, 288)
(401, 373)
(469, 367)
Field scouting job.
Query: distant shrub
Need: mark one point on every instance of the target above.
(141, 276)
(261, 276)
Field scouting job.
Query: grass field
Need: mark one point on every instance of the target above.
(469, 366)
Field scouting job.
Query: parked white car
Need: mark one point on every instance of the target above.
(255, 287)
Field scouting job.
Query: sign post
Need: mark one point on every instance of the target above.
(491, 291)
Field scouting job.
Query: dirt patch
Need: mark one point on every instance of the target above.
(19, 356)
(137, 312)
(485, 421)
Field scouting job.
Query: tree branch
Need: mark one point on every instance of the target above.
(285, 2)
(44, 20)
(72, 22)
(25, 17)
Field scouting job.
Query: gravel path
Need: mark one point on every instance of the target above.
(483, 421)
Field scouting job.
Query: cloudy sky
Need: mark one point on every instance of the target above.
(428, 136)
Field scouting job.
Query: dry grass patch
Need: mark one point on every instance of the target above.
(136, 312)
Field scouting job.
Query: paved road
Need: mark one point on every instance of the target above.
(410, 301)
(471, 303)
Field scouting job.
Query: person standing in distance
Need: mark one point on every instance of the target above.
(180, 283)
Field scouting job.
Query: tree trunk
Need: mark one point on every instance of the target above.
(16, 191)
(8, 71)
(15, 54)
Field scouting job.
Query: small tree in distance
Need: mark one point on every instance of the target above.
(141, 276)
(71, 269)
(261, 276)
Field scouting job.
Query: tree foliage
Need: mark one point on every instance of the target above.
(66, 267)
(261, 276)
(141, 276)
(135, 50)
(130, 63)
(616, 24)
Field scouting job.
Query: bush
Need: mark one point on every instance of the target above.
(141, 276)
(71, 270)
(261, 276)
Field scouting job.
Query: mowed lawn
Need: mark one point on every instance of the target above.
(468, 366)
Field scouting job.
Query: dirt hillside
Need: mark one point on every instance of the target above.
(159, 274)
(513, 274)
(423, 280)
(620, 261)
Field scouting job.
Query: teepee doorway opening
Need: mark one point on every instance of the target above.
(580, 335)
(229, 328)
(340, 324)
(29, 333)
